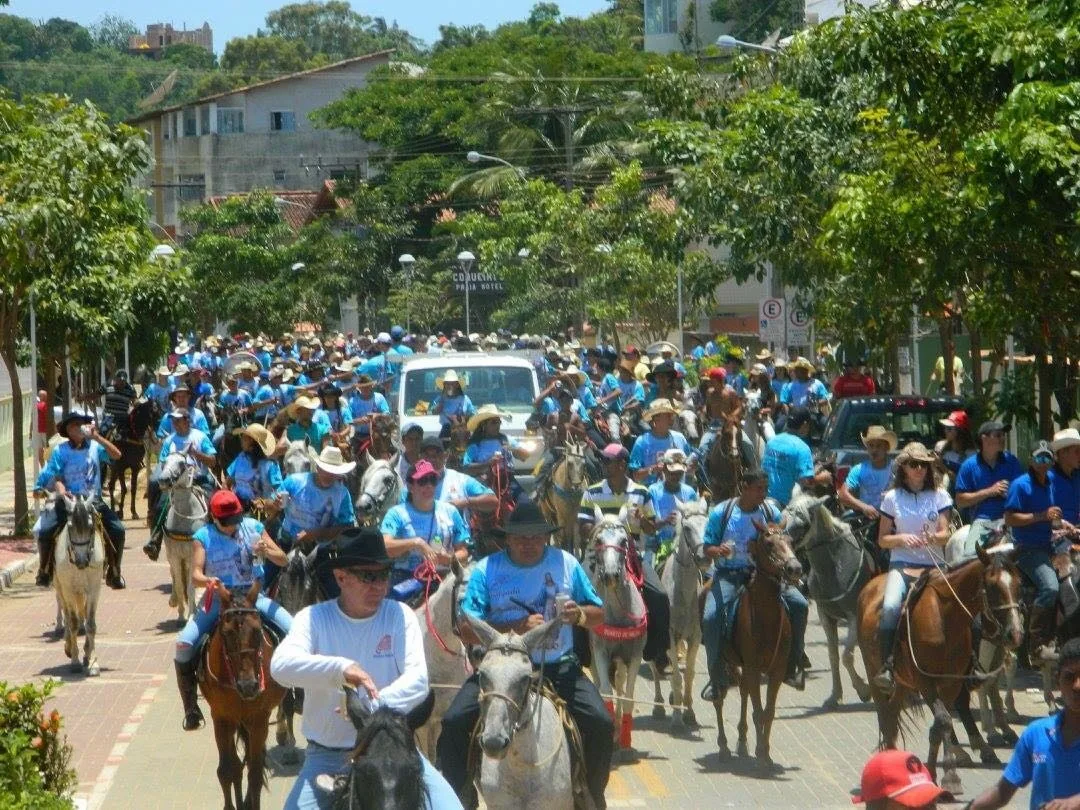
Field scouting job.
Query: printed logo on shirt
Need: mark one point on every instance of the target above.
(385, 646)
(1038, 758)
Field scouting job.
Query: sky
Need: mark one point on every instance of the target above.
(235, 18)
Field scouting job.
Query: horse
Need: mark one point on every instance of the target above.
(447, 656)
(761, 640)
(617, 644)
(561, 495)
(840, 566)
(525, 761)
(380, 488)
(758, 429)
(933, 651)
(498, 477)
(80, 558)
(296, 458)
(681, 579)
(725, 464)
(186, 515)
(234, 677)
(131, 440)
(385, 770)
(458, 443)
(228, 444)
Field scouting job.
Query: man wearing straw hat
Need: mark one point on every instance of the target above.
(867, 481)
(649, 448)
(180, 400)
(159, 389)
(307, 425)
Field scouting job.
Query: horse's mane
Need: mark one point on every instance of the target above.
(384, 721)
(82, 517)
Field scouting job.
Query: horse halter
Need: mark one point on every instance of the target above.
(228, 654)
(513, 645)
(992, 627)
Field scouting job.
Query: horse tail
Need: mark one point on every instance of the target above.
(908, 720)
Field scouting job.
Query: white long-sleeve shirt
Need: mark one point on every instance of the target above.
(324, 642)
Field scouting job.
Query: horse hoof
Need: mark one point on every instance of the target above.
(290, 756)
(1013, 716)
(134, 516)
(831, 702)
(864, 694)
(724, 752)
(172, 600)
(951, 783)
(988, 757)
(93, 670)
(658, 711)
(690, 718)
(1009, 736)
(743, 750)
(963, 758)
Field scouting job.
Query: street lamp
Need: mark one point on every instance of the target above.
(465, 261)
(161, 252)
(476, 157)
(407, 261)
(726, 42)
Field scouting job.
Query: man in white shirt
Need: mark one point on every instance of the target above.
(362, 640)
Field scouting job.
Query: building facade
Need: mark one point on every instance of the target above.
(254, 137)
(161, 35)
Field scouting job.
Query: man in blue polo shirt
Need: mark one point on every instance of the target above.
(1065, 475)
(1048, 754)
(788, 460)
(983, 483)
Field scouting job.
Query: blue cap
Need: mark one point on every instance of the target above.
(397, 333)
(410, 426)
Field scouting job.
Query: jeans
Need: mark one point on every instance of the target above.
(319, 760)
(716, 624)
(1035, 563)
(202, 623)
(53, 520)
(896, 587)
(979, 534)
(658, 632)
(584, 703)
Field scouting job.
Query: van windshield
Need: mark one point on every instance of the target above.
(509, 387)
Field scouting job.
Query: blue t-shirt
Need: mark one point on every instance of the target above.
(1039, 759)
(460, 405)
(1025, 495)
(310, 506)
(252, 481)
(361, 407)
(198, 422)
(648, 448)
(270, 399)
(976, 474)
(339, 418)
(628, 392)
(241, 399)
(1065, 494)
(868, 483)
(313, 433)
(803, 394)
(443, 526)
(482, 451)
(79, 468)
(498, 588)
(787, 460)
(740, 530)
(180, 444)
(232, 559)
(664, 503)
(159, 393)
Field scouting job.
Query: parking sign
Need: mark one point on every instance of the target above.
(798, 327)
(771, 324)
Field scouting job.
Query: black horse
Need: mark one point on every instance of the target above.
(230, 419)
(128, 437)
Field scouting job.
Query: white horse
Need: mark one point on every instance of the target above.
(682, 578)
(187, 514)
(380, 488)
(296, 458)
(447, 656)
(617, 644)
(80, 556)
(758, 429)
(526, 760)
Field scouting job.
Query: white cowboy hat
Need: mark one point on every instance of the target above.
(287, 375)
(183, 347)
(305, 402)
(450, 377)
(331, 461)
(658, 407)
(483, 414)
(1065, 438)
(576, 373)
(180, 369)
(162, 371)
(261, 436)
(876, 433)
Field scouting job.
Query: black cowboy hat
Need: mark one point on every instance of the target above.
(81, 418)
(357, 545)
(329, 388)
(527, 519)
(661, 368)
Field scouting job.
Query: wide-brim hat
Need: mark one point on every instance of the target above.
(876, 433)
(331, 461)
(180, 389)
(915, 451)
(763, 355)
(526, 519)
(483, 414)
(450, 376)
(288, 375)
(183, 347)
(803, 363)
(662, 367)
(81, 418)
(162, 371)
(303, 402)
(573, 371)
(658, 407)
(180, 370)
(261, 436)
(1065, 438)
(355, 546)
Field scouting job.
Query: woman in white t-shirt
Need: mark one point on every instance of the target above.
(914, 519)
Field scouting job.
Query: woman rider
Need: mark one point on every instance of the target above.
(451, 403)
(487, 441)
(254, 473)
(228, 551)
(338, 412)
(914, 519)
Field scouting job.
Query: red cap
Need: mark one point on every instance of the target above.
(900, 776)
(422, 468)
(224, 504)
(630, 349)
(957, 419)
(718, 373)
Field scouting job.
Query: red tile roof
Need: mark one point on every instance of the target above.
(298, 208)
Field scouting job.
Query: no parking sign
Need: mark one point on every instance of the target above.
(798, 328)
(771, 323)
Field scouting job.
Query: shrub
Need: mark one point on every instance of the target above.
(34, 759)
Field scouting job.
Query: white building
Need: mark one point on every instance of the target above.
(258, 136)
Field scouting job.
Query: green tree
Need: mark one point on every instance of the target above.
(113, 31)
(334, 29)
(265, 56)
(753, 20)
(189, 56)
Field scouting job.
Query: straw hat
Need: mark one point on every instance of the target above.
(483, 414)
(303, 402)
(914, 451)
(802, 362)
(180, 370)
(658, 407)
(261, 436)
(876, 433)
(764, 355)
(331, 461)
(162, 371)
(450, 377)
(573, 371)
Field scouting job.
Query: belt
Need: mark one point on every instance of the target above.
(314, 744)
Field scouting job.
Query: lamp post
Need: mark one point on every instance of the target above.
(682, 340)
(726, 42)
(161, 251)
(476, 157)
(465, 262)
(407, 261)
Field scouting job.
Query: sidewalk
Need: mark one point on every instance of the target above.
(18, 556)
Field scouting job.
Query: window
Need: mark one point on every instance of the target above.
(661, 16)
(279, 177)
(509, 387)
(230, 120)
(190, 187)
(283, 121)
(189, 123)
(204, 119)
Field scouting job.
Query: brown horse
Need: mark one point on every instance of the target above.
(459, 442)
(130, 439)
(762, 638)
(934, 644)
(725, 464)
(234, 677)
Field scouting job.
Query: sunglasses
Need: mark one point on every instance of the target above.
(369, 576)
(917, 464)
(426, 481)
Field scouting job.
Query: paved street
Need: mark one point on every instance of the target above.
(130, 750)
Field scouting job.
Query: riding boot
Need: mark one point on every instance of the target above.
(188, 685)
(46, 561)
(884, 679)
(113, 577)
(152, 548)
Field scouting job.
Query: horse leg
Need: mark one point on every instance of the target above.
(832, 639)
(967, 718)
(71, 637)
(1011, 714)
(90, 663)
(742, 747)
(658, 698)
(285, 736)
(862, 688)
(258, 729)
(688, 683)
(630, 672)
(134, 491)
(943, 722)
(600, 672)
(230, 769)
(676, 687)
(765, 728)
(721, 737)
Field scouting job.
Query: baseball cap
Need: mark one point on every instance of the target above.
(409, 427)
(383, 337)
(226, 507)
(615, 450)
(900, 776)
(1041, 453)
(991, 426)
(179, 413)
(718, 373)
(397, 332)
(432, 443)
(420, 469)
(956, 419)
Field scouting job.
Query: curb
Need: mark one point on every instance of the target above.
(14, 570)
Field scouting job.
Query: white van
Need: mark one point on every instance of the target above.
(496, 378)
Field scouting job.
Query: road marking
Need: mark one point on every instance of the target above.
(104, 781)
(650, 778)
(617, 787)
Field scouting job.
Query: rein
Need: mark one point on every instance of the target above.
(632, 565)
(230, 673)
(429, 575)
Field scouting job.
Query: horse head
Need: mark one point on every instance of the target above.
(177, 471)
(242, 640)
(574, 455)
(379, 488)
(690, 520)
(81, 529)
(296, 458)
(800, 516)
(772, 553)
(1001, 623)
(611, 547)
(506, 680)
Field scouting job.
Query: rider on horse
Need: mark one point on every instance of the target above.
(74, 468)
(159, 389)
(273, 396)
(119, 398)
(487, 441)
(645, 464)
(307, 424)
(361, 640)
(180, 399)
(518, 589)
(460, 490)
(728, 533)
(788, 460)
(723, 407)
(666, 495)
(452, 403)
(254, 474)
(983, 482)
(228, 551)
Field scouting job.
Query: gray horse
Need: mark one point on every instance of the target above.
(839, 568)
(187, 514)
(380, 487)
(681, 579)
(526, 760)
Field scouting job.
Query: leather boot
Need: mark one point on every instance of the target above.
(113, 578)
(46, 561)
(884, 679)
(153, 546)
(188, 685)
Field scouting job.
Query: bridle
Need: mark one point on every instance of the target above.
(513, 645)
(227, 654)
(684, 541)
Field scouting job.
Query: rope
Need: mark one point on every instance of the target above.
(428, 574)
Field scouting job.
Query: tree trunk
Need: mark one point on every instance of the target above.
(52, 384)
(948, 352)
(976, 365)
(1044, 375)
(18, 451)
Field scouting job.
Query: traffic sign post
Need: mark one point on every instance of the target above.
(799, 327)
(771, 321)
